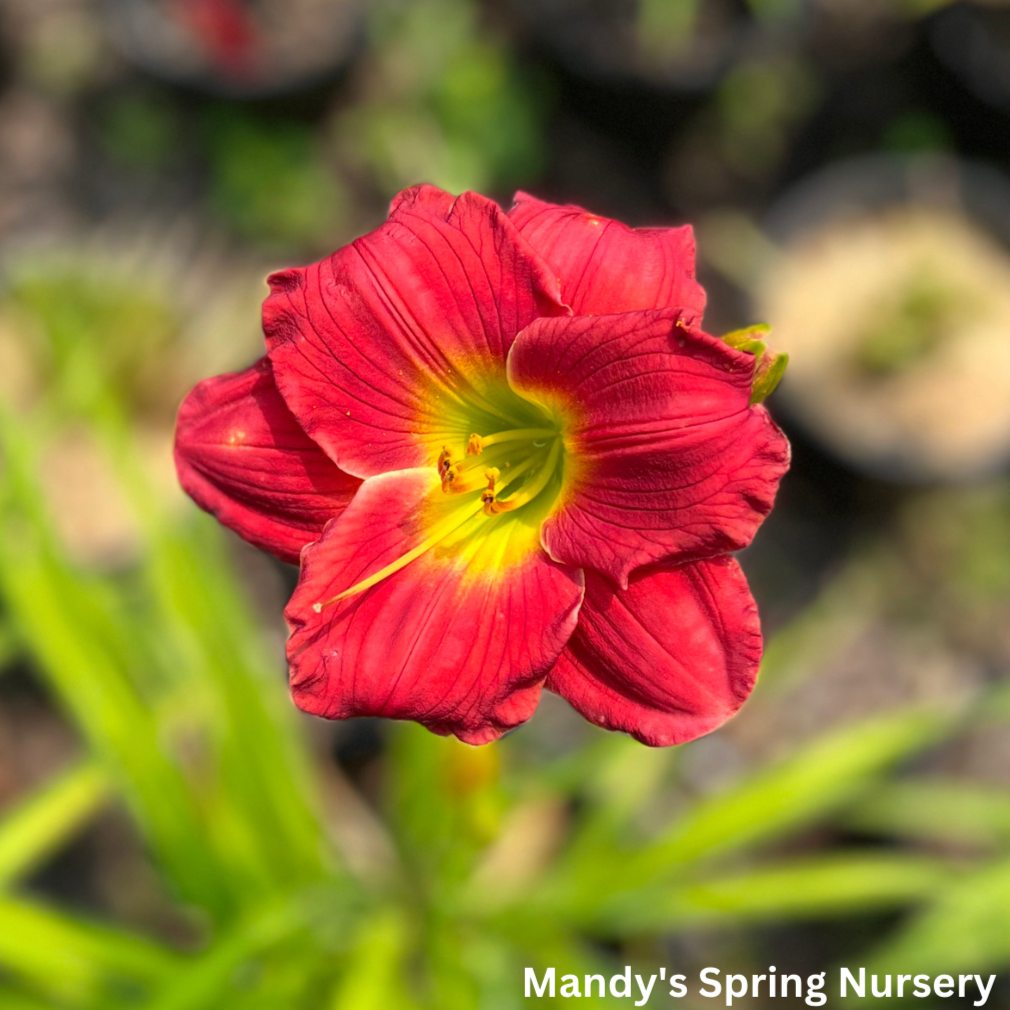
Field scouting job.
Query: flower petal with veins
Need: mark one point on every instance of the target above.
(668, 659)
(373, 347)
(669, 458)
(460, 640)
(605, 266)
(242, 456)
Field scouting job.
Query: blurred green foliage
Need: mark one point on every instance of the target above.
(442, 101)
(270, 180)
(479, 862)
(139, 129)
(66, 315)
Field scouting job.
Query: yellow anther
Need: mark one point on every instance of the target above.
(475, 446)
(459, 481)
(487, 495)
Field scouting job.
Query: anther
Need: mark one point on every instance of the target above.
(449, 475)
(487, 496)
(458, 480)
(475, 446)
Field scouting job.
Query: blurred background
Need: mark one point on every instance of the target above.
(173, 835)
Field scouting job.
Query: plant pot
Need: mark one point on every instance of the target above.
(238, 48)
(890, 289)
(672, 45)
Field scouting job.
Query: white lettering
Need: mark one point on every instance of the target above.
(645, 991)
(797, 984)
(677, 987)
(983, 989)
(731, 987)
(539, 988)
(716, 986)
(572, 987)
(815, 983)
(858, 987)
(625, 978)
(886, 992)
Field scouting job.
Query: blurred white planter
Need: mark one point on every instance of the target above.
(890, 289)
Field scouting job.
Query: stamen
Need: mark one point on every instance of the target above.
(487, 496)
(463, 477)
(526, 494)
(459, 481)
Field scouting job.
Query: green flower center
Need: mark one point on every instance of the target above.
(501, 466)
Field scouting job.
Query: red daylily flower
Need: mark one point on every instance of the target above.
(508, 457)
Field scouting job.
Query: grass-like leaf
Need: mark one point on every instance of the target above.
(41, 824)
(77, 963)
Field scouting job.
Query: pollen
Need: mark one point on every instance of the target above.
(458, 479)
(450, 475)
(475, 446)
(487, 496)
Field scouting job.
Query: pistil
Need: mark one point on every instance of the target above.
(459, 480)
(443, 529)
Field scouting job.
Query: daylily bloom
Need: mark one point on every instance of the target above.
(507, 457)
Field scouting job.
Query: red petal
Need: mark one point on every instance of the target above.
(460, 646)
(669, 658)
(374, 347)
(607, 267)
(241, 456)
(666, 459)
